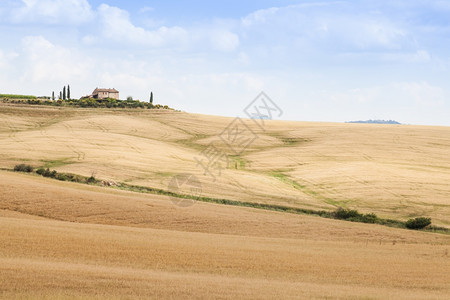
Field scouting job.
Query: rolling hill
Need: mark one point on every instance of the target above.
(65, 240)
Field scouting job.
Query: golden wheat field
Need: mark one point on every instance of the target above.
(67, 240)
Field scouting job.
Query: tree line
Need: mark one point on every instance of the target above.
(63, 95)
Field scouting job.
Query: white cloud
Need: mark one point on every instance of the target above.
(259, 16)
(422, 93)
(224, 40)
(89, 39)
(243, 58)
(404, 94)
(367, 33)
(116, 26)
(263, 15)
(236, 89)
(413, 57)
(354, 96)
(52, 12)
(327, 27)
(419, 56)
(146, 9)
(46, 62)
(3, 60)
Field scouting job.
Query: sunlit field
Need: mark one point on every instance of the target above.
(69, 240)
(396, 171)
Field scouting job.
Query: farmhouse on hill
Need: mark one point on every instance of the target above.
(104, 94)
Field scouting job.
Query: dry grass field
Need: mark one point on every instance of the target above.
(394, 171)
(66, 240)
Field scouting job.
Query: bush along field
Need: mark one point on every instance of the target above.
(88, 102)
(419, 223)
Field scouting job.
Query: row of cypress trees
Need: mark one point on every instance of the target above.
(64, 94)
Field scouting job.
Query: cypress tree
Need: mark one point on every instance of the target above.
(68, 92)
(151, 97)
(60, 95)
(64, 93)
(53, 95)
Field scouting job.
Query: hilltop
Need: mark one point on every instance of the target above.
(377, 122)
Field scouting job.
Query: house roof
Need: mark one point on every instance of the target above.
(97, 90)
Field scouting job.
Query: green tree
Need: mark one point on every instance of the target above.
(68, 92)
(151, 97)
(64, 93)
(60, 95)
(53, 95)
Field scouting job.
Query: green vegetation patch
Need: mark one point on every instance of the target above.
(57, 162)
(23, 168)
(418, 223)
(354, 216)
(237, 162)
(46, 172)
(285, 178)
(87, 102)
(12, 96)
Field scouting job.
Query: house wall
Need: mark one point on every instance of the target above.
(104, 95)
(114, 96)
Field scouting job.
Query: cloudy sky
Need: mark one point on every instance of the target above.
(318, 60)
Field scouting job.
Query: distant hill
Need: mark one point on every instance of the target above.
(376, 122)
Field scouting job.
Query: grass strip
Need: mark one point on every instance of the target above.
(339, 214)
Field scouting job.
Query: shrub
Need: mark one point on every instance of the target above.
(344, 214)
(23, 168)
(47, 172)
(418, 223)
(76, 178)
(91, 179)
(62, 177)
(354, 216)
(369, 218)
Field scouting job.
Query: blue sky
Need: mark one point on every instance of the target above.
(318, 60)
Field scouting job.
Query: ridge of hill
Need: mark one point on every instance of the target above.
(377, 122)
